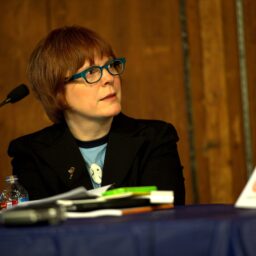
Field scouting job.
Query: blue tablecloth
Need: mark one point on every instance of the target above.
(190, 230)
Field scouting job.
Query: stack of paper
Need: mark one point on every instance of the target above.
(81, 203)
(119, 202)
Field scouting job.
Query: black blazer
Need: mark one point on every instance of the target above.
(139, 153)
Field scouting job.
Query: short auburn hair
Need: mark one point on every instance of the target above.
(63, 51)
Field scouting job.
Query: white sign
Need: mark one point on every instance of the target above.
(247, 198)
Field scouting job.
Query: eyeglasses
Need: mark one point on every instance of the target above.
(94, 73)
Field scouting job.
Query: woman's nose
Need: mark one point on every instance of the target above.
(107, 78)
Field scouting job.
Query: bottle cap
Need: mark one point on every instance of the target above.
(11, 178)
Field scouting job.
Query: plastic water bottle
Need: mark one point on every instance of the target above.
(13, 194)
(5, 200)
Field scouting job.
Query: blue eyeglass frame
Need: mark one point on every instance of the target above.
(83, 73)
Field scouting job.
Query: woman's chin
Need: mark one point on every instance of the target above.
(113, 111)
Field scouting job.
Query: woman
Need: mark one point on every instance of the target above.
(76, 76)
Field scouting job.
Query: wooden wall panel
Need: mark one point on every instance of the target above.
(19, 31)
(149, 35)
(219, 144)
(237, 160)
(197, 95)
(249, 8)
(216, 139)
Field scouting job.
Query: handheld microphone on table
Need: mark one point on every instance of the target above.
(16, 94)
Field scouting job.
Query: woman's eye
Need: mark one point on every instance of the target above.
(93, 71)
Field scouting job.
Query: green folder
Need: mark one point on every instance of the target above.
(134, 190)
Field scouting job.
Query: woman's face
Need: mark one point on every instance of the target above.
(94, 101)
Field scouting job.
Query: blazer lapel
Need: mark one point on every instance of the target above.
(120, 155)
(121, 151)
(64, 158)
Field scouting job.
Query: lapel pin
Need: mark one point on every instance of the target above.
(71, 172)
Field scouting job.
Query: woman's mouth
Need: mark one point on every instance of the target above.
(109, 96)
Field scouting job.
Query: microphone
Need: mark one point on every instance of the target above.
(16, 94)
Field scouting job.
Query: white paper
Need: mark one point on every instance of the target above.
(161, 197)
(80, 192)
(99, 191)
(93, 214)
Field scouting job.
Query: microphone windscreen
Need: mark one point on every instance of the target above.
(18, 93)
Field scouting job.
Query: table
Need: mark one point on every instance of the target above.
(188, 230)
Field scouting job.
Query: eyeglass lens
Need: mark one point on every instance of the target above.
(114, 67)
